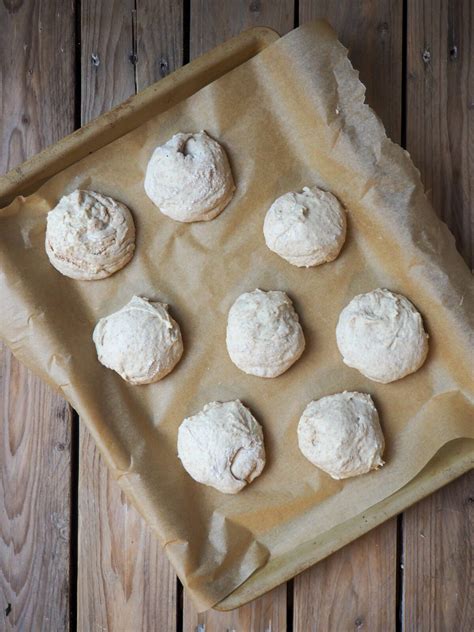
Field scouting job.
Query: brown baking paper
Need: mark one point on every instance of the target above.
(292, 116)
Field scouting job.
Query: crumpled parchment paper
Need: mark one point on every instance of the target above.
(292, 116)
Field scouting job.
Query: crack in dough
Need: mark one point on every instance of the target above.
(306, 228)
(89, 236)
(189, 178)
(222, 446)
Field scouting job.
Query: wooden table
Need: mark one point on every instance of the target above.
(73, 553)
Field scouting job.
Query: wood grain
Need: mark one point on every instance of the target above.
(125, 581)
(438, 563)
(37, 109)
(107, 55)
(212, 22)
(159, 40)
(372, 30)
(438, 577)
(440, 109)
(266, 614)
(35, 497)
(37, 104)
(355, 588)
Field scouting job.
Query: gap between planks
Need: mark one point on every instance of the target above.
(425, 28)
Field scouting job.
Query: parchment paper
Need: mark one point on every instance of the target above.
(292, 116)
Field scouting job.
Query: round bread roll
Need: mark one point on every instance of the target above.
(89, 235)
(141, 342)
(189, 178)
(341, 435)
(264, 336)
(381, 335)
(306, 228)
(222, 446)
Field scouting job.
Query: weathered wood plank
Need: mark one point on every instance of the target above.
(159, 40)
(37, 108)
(438, 567)
(356, 587)
(212, 22)
(266, 614)
(440, 109)
(107, 49)
(35, 498)
(372, 30)
(438, 591)
(125, 581)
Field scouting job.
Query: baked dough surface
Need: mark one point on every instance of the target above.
(381, 335)
(189, 178)
(141, 342)
(89, 235)
(306, 228)
(264, 336)
(341, 435)
(222, 446)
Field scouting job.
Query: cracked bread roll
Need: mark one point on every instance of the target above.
(89, 236)
(306, 228)
(189, 178)
(222, 446)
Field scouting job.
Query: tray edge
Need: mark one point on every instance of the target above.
(358, 526)
(28, 176)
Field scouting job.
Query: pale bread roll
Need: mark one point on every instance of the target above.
(222, 446)
(306, 228)
(141, 342)
(189, 178)
(341, 435)
(264, 336)
(89, 236)
(381, 335)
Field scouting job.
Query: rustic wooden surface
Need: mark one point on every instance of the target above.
(212, 22)
(440, 109)
(73, 553)
(355, 588)
(438, 532)
(37, 109)
(125, 581)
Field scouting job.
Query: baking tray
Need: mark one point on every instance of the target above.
(451, 461)
(159, 97)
